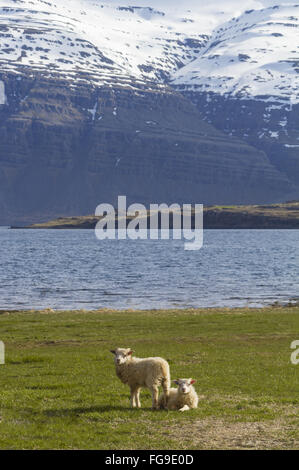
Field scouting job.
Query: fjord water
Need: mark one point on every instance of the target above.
(71, 269)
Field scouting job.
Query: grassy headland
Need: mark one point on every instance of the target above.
(277, 216)
(59, 388)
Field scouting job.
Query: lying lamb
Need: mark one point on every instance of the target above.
(150, 372)
(182, 398)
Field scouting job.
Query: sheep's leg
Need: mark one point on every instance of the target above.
(155, 396)
(137, 398)
(133, 397)
(166, 386)
(184, 408)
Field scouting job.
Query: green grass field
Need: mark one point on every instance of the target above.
(59, 389)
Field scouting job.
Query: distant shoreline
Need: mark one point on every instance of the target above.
(182, 311)
(272, 216)
(291, 304)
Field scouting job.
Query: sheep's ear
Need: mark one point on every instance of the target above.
(113, 351)
(176, 382)
(130, 352)
(192, 381)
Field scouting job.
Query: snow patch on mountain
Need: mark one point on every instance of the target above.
(102, 42)
(254, 55)
(2, 93)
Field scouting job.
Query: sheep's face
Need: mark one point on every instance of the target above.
(184, 385)
(121, 355)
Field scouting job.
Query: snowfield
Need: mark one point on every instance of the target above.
(106, 40)
(254, 55)
(244, 49)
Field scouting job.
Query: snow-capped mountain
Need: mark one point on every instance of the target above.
(200, 96)
(253, 56)
(107, 41)
(246, 80)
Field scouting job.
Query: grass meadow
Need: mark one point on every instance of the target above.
(59, 389)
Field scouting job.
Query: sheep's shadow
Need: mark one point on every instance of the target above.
(90, 409)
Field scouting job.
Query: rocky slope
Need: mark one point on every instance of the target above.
(96, 101)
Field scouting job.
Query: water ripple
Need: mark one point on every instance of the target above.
(72, 269)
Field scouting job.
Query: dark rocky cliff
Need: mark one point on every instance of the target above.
(275, 133)
(64, 149)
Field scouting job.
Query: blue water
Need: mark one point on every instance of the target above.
(71, 269)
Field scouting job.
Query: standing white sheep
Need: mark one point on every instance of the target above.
(182, 398)
(150, 372)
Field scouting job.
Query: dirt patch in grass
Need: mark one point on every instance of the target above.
(214, 433)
